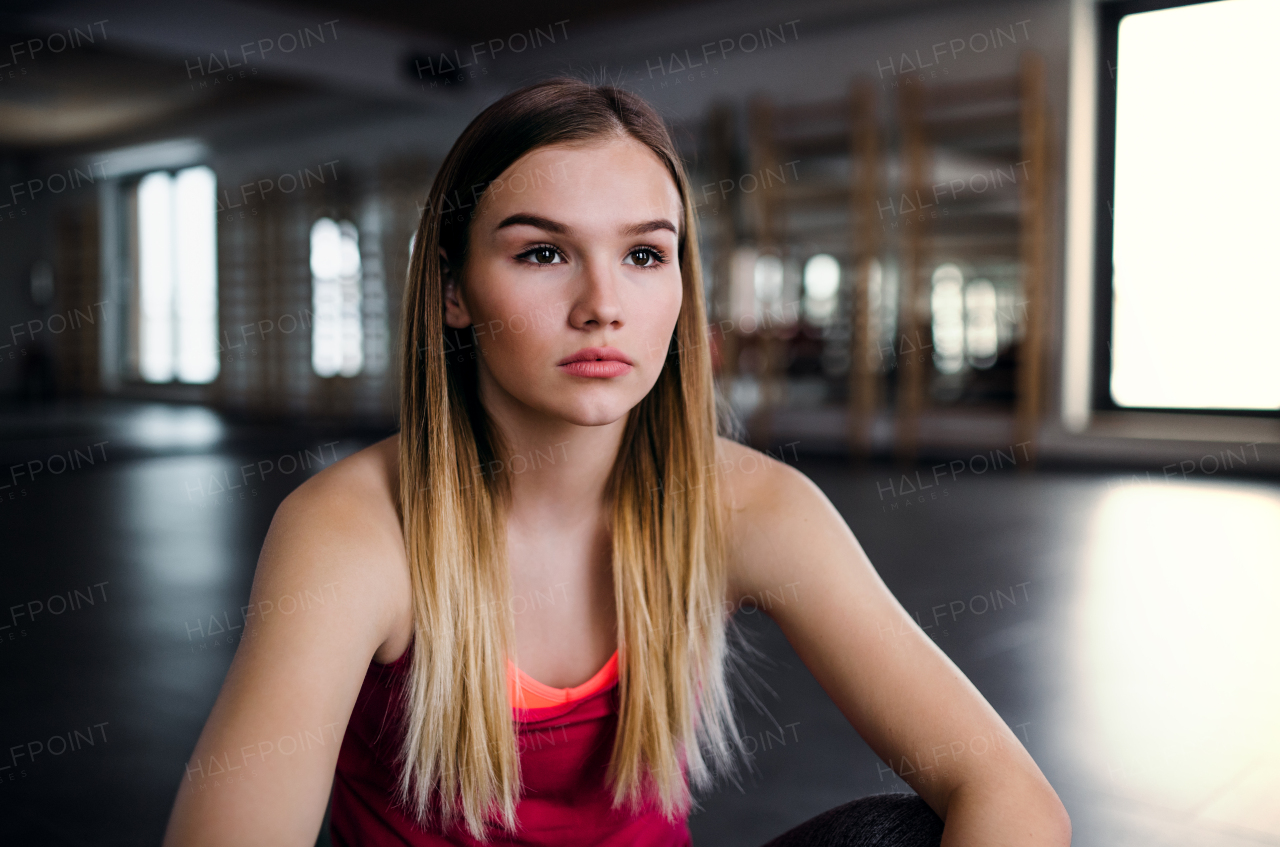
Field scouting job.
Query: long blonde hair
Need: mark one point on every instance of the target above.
(669, 572)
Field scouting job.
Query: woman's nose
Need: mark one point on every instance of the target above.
(597, 301)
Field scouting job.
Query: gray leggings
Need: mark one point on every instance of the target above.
(881, 820)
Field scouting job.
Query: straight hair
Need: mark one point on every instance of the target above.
(459, 756)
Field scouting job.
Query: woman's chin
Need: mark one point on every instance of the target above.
(593, 411)
(596, 417)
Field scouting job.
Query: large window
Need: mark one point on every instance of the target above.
(177, 316)
(337, 333)
(1189, 283)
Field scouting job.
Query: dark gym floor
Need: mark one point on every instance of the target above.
(1122, 625)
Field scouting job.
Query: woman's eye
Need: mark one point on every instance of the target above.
(644, 257)
(542, 256)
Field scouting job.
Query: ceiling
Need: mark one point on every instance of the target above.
(136, 85)
(88, 95)
(461, 22)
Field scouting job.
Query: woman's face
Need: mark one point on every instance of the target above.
(573, 254)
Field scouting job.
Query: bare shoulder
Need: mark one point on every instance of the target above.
(325, 601)
(366, 481)
(771, 506)
(750, 478)
(342, 526)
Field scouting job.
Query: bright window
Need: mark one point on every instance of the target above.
(178, 276)
(337, 335)
(1196, 285)
(821, 284)
(947, 306)
(768, 285)
(981, 333)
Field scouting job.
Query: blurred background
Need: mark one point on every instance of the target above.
(996, 275)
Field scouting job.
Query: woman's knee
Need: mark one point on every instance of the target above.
(880, 820)
(895, 820)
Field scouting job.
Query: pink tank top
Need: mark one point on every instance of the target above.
(564, 735)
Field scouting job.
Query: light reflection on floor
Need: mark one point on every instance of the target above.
(160, 427)
(1178, 653)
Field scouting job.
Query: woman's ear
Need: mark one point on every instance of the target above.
(456, 314)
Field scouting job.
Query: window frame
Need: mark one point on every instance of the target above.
(1109, 17)
(130, 264)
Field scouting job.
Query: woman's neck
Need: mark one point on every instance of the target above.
(557, 470)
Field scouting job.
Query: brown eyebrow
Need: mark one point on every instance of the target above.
(534, 220)
(558, 228)
(651, 226)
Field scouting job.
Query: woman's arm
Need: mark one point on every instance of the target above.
(901, 693)
(319, 610)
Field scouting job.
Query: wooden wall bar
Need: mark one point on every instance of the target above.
(913, 367)
(865, 382)
(1033, 248)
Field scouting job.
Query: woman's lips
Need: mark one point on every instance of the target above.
(594, 368)
(596, 363)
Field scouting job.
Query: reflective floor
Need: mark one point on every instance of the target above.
(1124, 628)
(1140, 663)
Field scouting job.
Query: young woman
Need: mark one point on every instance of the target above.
(510, 622)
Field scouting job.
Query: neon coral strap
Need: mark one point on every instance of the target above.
(527, 693)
